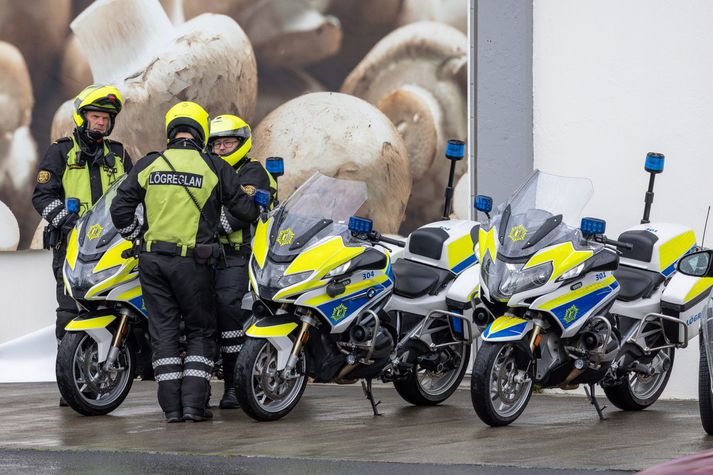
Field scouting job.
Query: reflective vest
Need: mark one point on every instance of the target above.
(76, 181)
(236, 238)
(171, 214)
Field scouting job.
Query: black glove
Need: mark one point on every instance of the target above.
(69, 222)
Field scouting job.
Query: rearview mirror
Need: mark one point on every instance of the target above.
(696, 264)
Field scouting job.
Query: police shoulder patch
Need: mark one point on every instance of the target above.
(43, 176)
(248, 189)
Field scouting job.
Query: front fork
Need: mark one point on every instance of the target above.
(302, 338)
(118, 340)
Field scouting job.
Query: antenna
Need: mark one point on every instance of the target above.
(705, 226)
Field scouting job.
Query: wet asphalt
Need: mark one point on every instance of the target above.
(332, 430)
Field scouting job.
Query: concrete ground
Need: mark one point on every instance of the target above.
(332, 430)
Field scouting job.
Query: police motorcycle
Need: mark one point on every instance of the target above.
(97, 358)
(574, 307)
(324, 306)
(696, 271)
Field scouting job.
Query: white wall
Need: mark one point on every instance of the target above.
(612, 80)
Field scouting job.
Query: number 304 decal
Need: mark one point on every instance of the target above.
(368, 275)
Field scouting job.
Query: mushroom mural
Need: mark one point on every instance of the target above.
(417, 76)
(18, 152)
(343, 137)
(9, 230)
(133, 45)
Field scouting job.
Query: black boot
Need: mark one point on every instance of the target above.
(197, 414)
(229, 399)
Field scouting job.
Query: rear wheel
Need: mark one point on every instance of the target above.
(83, 382)
(264, 393)
(502, 381)
(638, 391)
(428, 387)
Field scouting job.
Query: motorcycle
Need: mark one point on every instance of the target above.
(696, 271)
(325, 306)
(97, 358)
(574, 307)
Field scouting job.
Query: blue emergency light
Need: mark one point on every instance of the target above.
(654, 162)
(72, 205)
(593, 226)
(455, 150)
(484, 203)
(262, 198)
(275, 166)
(360, 225)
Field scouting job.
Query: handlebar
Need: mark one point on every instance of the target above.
(618, 244)
(387, 240)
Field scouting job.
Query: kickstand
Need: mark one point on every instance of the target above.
(366, 386)
(593, 400)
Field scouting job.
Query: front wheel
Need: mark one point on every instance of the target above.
(705, 398)
(639, 391)
(428, 387)
(83, 382)
(502, 381)
(264, 393)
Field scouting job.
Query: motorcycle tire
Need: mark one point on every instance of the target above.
(412, 390)
(256, 354)
(624, 397)
(705, 398)
(69, 373)
(480, 383)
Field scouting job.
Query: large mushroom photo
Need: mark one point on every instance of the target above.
(363, 89)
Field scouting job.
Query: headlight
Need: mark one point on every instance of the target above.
(572, 273)
(292, 279)
(339, 270)
(517, 281)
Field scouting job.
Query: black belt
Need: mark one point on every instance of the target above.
(168, 248)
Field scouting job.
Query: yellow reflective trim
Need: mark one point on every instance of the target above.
(568, 297)
(349, 289)
(300, 288)
(704, 284)
(72, 249)
(460, 250)
(90, 323)
(672, 250)
(486, 243)
(283, 329)
(503, 323)
(474, 292)
(112, 257)
(130, 294)
(563, 257)
(326, 256)
(260, 242)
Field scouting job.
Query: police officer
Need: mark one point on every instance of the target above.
(182, 190)
(81, 166)
(230, 138)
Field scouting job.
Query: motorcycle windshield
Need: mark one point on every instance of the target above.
(544, 211)
(320, 207)
(96, 232)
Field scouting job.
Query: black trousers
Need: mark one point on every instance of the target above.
(231, 284)
(67, 309)
(177, 287)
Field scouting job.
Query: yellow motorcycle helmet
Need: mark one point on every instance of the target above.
(100, 98)
(187, 116)
(228, 125)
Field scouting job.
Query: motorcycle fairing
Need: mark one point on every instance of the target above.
(571, 307)
(507, 328)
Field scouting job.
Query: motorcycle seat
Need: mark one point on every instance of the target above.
(427, 242)
(414, 279)
(636, 283)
